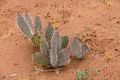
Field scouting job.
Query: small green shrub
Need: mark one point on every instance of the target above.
(82, 75)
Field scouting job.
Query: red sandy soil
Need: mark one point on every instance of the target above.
(98, 22)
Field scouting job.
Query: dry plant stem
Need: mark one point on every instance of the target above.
(51, 70)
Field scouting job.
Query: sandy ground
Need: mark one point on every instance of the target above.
(98, 22)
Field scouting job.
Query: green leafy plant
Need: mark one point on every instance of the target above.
(82, 75)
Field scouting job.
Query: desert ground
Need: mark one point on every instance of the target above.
(97, 21)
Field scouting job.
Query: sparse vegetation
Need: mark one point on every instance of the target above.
(52, 46)
(82, 75)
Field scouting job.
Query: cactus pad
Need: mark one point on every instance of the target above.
(28, 20)
(79, 49)
(65, 40)
(55, 48)
(49, 32)
(63, 57)
(40, 58)
(38, 24)
(24, 26)
(36, 40)
(44, 47)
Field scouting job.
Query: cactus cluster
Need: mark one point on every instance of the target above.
(52, 46)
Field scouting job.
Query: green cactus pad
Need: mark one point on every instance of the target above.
(40, 58)
(24, 26)
(63, 57)
(79, 49)
(44, 47)
(55, 48)
(65, 41)
(49, 32)
(38, 24)
(36, 40)
(28, 20)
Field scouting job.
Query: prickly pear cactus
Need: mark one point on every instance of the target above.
(49, 32)
(36, 40)
(63, 58)
(40, 58)
(65, 40)
(85, 49)
(28, 20)
(55, 48)
(58, 56)
(38, 24)
(24, 26)
(79, 49)
(51, 46)
(44, 47)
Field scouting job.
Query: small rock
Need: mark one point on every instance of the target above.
(13, 75)
(57, 72)
(105, 66)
